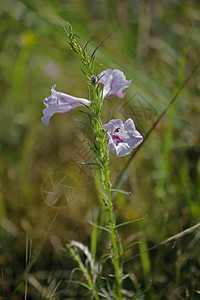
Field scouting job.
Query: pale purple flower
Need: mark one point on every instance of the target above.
(122, 138)
(60, 103)
(114, 83)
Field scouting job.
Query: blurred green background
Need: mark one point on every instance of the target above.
(157, 45)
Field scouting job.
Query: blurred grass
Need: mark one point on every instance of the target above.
(155, 44)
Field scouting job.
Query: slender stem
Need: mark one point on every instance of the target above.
(85, 272)
(115, 253)
(103, 159)
(102, 152)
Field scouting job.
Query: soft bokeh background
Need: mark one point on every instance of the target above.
(156, 43)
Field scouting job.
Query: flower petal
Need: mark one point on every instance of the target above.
(104, 75)
(136, 140)
(114, 83)
(60, 103)
(129, 125)
(111, 144)
(122, 138)
(112, 125)
(123, 149)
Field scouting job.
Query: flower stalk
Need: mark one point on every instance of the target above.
(102, 156)
(102, 152)
(115, 136)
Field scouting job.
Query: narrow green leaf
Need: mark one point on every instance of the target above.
(81, 122)
(86, 286)
(85, 112)
(90, 146)
(100, 227)
(120, 191)
(131, 245)
(105, 296)
(106, 256)
(93, 53)
(125, 276)
(129, 222)
(71, 30)
(104, 195)
(85, 74)
(65, 29)
(88, 43)
(88, 163)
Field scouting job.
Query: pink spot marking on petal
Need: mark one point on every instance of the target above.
(117, 139)
(117, 130)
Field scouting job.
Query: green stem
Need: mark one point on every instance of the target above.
(102, 153)
(115, 254)
(103, 159)
(84, 270)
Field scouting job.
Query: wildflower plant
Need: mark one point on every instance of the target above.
(117, 136)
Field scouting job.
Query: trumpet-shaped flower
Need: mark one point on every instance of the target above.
(60, 103)
(114, 82)
(122, 138)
